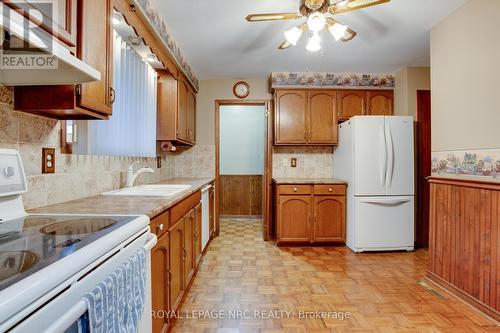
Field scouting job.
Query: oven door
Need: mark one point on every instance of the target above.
(61, 313)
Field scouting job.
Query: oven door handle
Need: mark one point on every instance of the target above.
(68, 318)
(151, 242)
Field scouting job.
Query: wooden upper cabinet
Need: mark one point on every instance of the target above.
(182, 111)
(91, 100)
(176, 110)
(380, 103)
(291, 120)
(191, 117)
(94, 19)
(351, 103)
(322, 112)
(59, 17)
(294, 218)
(160, 282)
(329, 219)
(176, 264)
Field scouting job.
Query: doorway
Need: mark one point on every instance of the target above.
(424, 163)
(243, 161)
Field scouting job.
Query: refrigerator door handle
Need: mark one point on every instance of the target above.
(390, 148)
(389, 202)
(383, 158)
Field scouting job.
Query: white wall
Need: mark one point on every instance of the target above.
(242, 139)
(465, 62)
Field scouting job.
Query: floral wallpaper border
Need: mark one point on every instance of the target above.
(157, 22)
(332, 80)
(480, 163)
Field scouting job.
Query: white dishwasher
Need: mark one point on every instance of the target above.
(205, 216)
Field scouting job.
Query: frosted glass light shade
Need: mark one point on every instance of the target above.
(316, 22)
(314, 43)
(293, 35)
(337, 30)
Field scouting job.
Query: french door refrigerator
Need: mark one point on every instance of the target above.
(375, 155)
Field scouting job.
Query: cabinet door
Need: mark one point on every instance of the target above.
(167, 86)
(294, 217)
(182, 110)
(329, 219)
(95, 47)
(322, 112)
(191, 128)
(189, 259)
(160, 280)
(197, 233)
(176, 264)
(380, 103)
(212, 212)
(291, 120)
(351, 103)
(58, 16)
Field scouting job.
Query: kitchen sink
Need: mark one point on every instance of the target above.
(150, 190)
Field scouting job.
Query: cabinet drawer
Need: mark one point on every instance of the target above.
(160, 224)
(329, 189)
(182, 208)
(295, 189)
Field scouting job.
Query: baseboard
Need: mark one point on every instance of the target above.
(483, 309)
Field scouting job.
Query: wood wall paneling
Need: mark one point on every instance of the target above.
(241, 195)
(464, 241)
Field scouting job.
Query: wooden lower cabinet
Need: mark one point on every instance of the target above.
(176, 267)
(197, 233)
(160, 280)
(212, 211)
(310, 214)
(189, 259)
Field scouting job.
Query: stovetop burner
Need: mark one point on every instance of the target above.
(80, 226)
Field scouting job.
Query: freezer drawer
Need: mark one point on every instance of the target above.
(383, 223)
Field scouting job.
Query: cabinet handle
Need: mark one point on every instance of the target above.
(169, 275)
(295, 189)
(112, 94)
(160, 227)
(330, 190)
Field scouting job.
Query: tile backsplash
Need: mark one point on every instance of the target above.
(79, 176)
(312, 162)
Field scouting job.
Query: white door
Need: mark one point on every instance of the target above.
(400, 167)
(370, 155)
(383, 223)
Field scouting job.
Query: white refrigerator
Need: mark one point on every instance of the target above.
(375, 155)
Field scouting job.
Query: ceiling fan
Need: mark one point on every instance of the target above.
(319, 16)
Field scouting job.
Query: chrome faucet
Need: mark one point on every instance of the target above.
(132, 176)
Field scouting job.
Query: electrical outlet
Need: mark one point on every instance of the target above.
(293, 162)
(158, 162)
(48, 160)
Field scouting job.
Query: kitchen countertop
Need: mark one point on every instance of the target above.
(125, 205)
(309, 181)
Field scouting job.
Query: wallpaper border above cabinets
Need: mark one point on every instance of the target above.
(160, 27)
(331, 80)
(479, 163)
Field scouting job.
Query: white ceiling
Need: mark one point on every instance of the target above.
(218, 42)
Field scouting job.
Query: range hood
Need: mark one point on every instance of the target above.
(51, 64)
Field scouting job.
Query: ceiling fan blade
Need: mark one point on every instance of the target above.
(350, 5)
(273, 17)
(349, 33)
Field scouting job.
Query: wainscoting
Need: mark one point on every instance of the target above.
(241, 195)
(464, 241)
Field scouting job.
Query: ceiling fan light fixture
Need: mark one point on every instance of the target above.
(316, 22)
(293, 35)
(338, 30)
(314, 43)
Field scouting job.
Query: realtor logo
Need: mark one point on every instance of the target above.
(24, 43)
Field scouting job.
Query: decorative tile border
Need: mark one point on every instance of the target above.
(332, 80)
(481, 163)
(156, 21)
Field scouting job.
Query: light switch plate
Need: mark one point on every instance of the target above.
(48, 160)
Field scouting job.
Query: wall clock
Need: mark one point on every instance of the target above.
(241, 89)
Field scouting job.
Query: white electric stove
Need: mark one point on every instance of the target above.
(48, 262)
